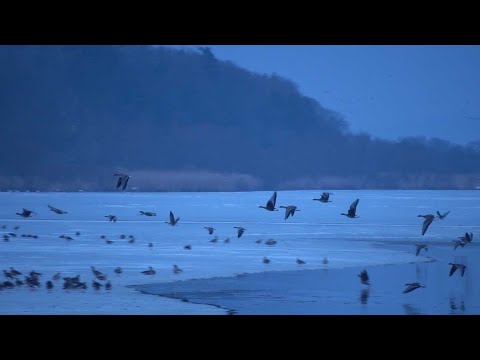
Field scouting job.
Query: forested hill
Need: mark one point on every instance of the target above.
(181, 120)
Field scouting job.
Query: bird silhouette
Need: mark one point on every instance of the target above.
(426, 223)
(364, 277)
(172, 221)
(271, 203)
(353, 210)
(289, 210)
(325, 197)
(412, 286)
(455, 267)
(240, 230)
(122, 178)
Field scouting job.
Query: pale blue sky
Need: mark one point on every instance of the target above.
(387, 91)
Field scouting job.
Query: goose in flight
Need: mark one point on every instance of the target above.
(455, 267)
(172, 221)
(300, 262)
(289, 210)
(412, 286)
(324, 198)
(210, 229)
(426, 223)
(352, 211)
(56, 211)
(440, 216)
(240, 231)
(468, 238)
(271, 203)
(266, 260)
(111, 218)
(147, 213)
(364, 277)
(122, 178)
(25, 213)
(420, 247)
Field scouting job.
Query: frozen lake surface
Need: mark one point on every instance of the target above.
(382, 240)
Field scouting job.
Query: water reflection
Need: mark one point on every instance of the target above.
(457, 306)
(411, 310)
(364, 295)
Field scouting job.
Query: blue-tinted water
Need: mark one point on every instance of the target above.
(384, 233)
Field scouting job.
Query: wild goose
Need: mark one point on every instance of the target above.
(455, 267)
(352, 211)
(112, 218)
(412, 286)
(176, 269)
(300, 262)
(25, 213)
(325, 197)
(468, 238)
(210, 229)
(240, 230)
(364, 277)
(172, 220)
(56, 211)
(122, 178)
(271, 203)
(148, 213)
(289, 210)
(426, 223)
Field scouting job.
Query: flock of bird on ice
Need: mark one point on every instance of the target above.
(74, 282)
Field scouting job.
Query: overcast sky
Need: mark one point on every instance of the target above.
(387, 91)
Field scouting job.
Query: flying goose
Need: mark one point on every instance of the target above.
(172, 220)
(289, 210)
(468, 238)
(426, 223)
(352, 211)
(420, 247)
(122, 178)
(412, 286)
(266, 260)
(57, 211)
(455, 267)
(240, 231)
(210, 229)
(271, 203)
(300, 262)
(364, 277)
(176, 269)
(111, 218)
(26, 213)
(147, 213)
(324, 198)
